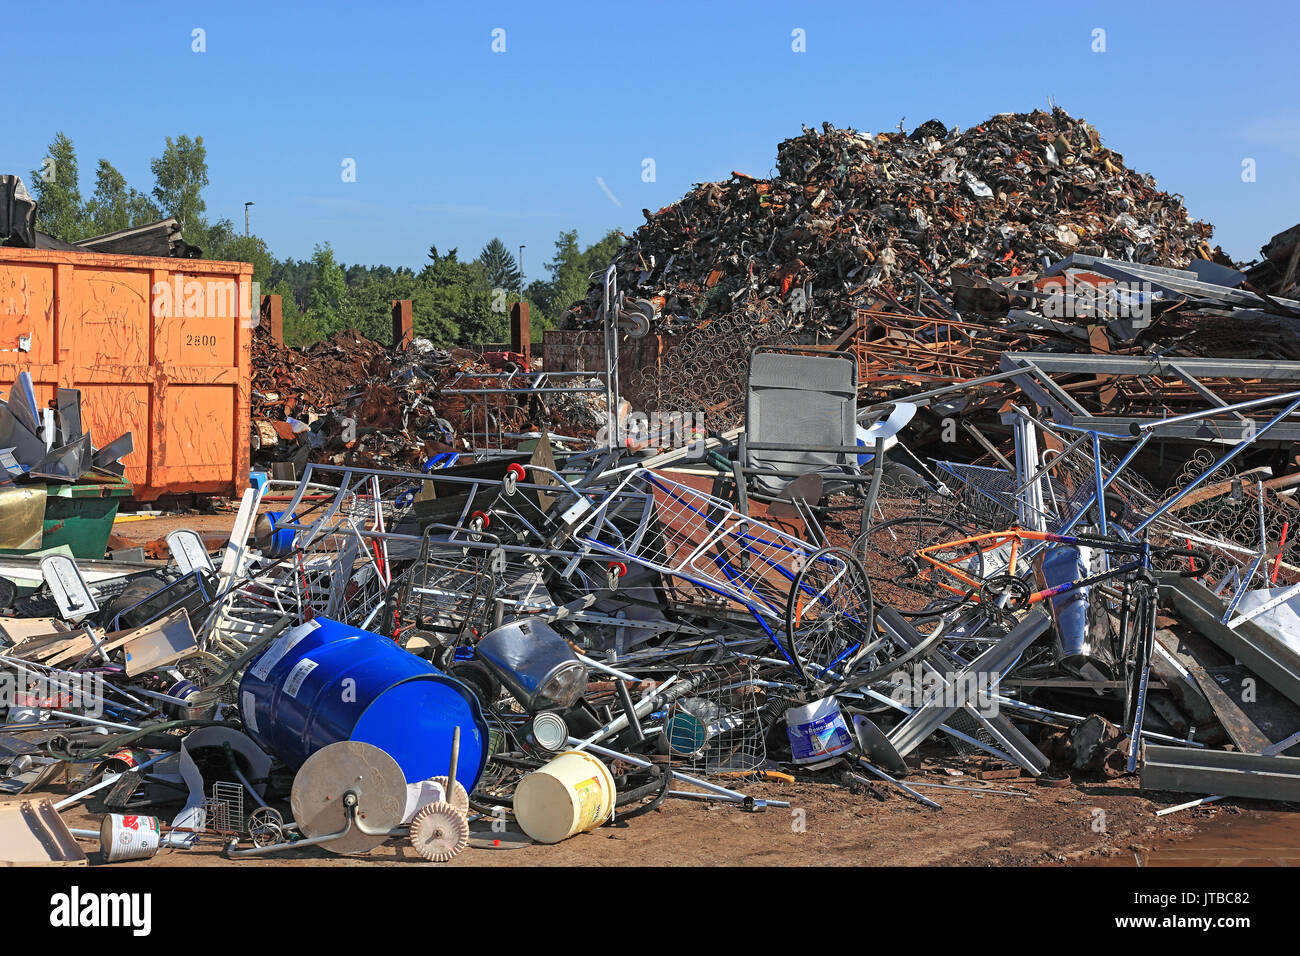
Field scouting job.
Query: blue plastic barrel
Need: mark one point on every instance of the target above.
(282, 539)
(323, 682)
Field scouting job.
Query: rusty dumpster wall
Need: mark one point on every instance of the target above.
(156, 346)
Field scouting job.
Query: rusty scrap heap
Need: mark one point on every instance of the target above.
(338, 400)
(350, 400)
(851, 217)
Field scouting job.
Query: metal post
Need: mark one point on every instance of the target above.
(1030, 501)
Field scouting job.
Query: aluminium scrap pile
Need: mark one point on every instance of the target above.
(697, 635)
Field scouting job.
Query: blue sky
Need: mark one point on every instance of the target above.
(455, 143)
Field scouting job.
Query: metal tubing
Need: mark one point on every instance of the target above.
(900, 785)
(1236, 450)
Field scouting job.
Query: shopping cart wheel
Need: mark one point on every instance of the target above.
(514, 474)
(478, 523)
(616, 570)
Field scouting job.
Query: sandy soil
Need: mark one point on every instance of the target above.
(1102, 823)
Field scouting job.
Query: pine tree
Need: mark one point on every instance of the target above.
(502, 269)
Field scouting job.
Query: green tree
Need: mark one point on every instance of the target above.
(59, 210)
(297, 329)
(597, 257)
(502, 269)
(115, 206)
(571, 270)
(329, 307)
(224, 244)
(180, 175)
(459, 294)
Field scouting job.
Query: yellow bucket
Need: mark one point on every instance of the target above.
(572, 793)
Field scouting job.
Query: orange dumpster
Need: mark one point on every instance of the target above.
(158, 347)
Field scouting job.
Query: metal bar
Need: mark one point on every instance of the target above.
(1221, 772)
(901, 786)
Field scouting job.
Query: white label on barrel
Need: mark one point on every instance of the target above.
(280, 646)
(248, 710)
(298, 675)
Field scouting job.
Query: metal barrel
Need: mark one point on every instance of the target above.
(333, 682)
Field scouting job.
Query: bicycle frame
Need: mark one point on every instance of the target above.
(996, 540)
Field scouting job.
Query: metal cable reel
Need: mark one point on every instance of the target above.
(349, 797)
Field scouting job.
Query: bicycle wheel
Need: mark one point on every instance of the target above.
(829, 615)
(907, 583)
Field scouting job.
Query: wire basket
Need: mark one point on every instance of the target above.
(716, 728)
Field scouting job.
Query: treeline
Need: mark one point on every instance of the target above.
(456, 301)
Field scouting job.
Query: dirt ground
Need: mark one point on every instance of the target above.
(1105, 823)
(142, 529)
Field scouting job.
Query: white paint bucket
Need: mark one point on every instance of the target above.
(572, 793)
(817, 731)
(128, 837)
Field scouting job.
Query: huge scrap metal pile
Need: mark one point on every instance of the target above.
(851, 218)
(971, 459)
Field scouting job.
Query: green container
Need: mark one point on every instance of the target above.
(81, 516)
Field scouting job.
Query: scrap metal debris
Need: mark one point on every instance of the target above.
(996, 476)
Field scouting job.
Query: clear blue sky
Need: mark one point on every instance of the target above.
(454, 143)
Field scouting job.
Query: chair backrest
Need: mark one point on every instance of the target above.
(799, 399)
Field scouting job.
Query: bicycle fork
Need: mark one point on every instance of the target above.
(1144, 622)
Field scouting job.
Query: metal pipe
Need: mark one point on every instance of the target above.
(643, 707)
(107, 782)
(901, 786)
(93, 720)
(455, 760)
(629, 710)
(1196, 416)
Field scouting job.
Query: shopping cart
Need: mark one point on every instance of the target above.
(813, 603)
